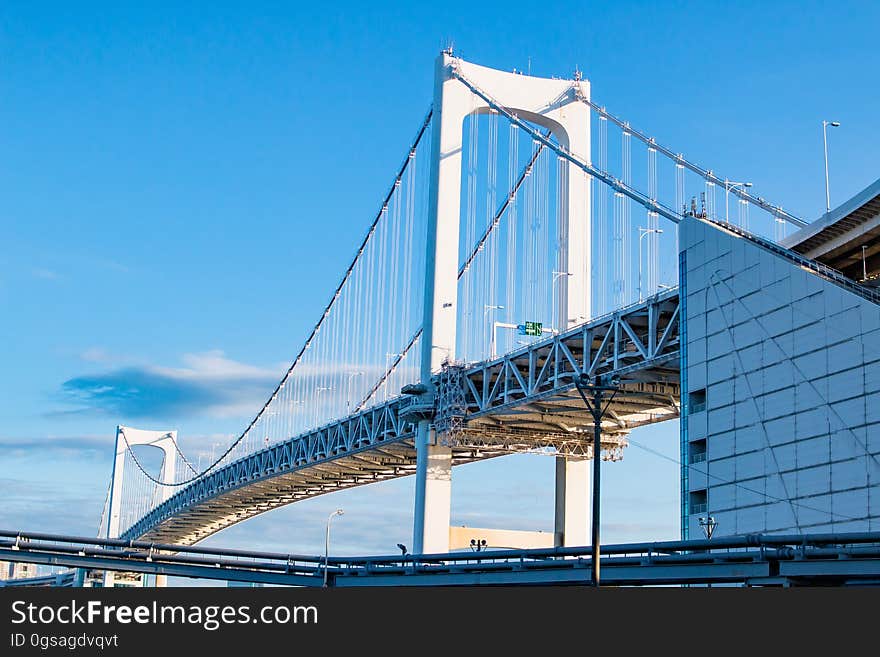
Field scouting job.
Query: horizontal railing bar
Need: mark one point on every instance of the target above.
(655, 549)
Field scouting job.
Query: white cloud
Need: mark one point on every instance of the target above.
(45, 274)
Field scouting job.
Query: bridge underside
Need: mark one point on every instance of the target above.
(196, 522)
(562, 419)
(391, 460)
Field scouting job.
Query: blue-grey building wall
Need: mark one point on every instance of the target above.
(781, 411)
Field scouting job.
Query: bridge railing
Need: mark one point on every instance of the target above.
(220, 563)
(381, 424)
(821, 270)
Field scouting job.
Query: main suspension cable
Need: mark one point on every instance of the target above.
(345, 277)
(679, 159)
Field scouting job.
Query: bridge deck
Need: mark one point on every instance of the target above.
(523, 401)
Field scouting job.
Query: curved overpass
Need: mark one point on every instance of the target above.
(523, 401)
(371, 446)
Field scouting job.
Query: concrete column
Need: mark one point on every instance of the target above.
(452, 103)
(115, 508)
(573, 501)
(574, 290)
(433, 494)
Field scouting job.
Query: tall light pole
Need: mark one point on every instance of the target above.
(642, 233)
(728, 185)
(388, 365)
(825, 124)
(708, 524)
(294, 423)
(594, 392)
(338, 512)
(556, 276)
(348, 389)
(493, 325)
(318, 391)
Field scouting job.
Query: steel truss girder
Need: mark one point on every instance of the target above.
(299, 461)
(643, 336)
(534, 387)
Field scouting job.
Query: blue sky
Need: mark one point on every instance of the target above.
(182, 186)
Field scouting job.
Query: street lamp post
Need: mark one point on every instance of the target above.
(348, 390)
(388, 365)
(642, 233)
(708, 524)
(493, 327)
(597, 389)
(294, 422)
(318, 391)
(728, 185)
(825, 124)
(338, 512)
(556, 276)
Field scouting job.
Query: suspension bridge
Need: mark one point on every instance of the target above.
(513, 257)
(501, 266)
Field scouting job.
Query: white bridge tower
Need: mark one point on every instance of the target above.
(127, 437)
(553, 104)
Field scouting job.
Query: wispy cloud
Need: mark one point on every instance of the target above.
(113, 265)
(96, 355)
(208, 384)
(45, 274)
(80, 446)
(51, 507)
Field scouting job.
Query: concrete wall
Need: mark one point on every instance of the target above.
(460, 538)
(790, 366)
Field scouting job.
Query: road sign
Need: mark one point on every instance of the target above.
(531, 328)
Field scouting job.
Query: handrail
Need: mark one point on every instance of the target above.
(823, 270)
(37, 541)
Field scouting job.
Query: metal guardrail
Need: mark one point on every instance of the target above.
(734, 558)
(824, 271)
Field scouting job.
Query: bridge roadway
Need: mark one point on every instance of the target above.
(751, 560)
(523, 401)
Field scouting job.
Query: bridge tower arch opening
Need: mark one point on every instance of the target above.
(554, 104)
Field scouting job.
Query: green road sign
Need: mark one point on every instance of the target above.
(534, 328)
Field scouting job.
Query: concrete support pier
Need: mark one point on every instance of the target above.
(572, 501)
(433, 494)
